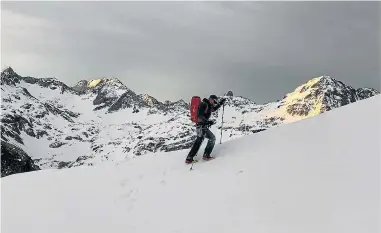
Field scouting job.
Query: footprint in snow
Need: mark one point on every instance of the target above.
(124, 182)
(127, 198)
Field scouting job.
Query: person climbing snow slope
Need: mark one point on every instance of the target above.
(200, 114)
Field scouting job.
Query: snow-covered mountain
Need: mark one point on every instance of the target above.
(308, 182)
(101, 119)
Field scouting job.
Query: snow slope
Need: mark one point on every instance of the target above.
(318, 175)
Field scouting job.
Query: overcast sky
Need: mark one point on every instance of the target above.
(173, 50)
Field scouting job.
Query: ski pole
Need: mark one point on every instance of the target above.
(222, 121)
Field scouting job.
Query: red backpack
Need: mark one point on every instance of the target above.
(195, 102)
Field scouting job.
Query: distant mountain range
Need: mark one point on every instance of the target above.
(48, 124)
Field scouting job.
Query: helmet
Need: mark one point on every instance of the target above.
(213, 97)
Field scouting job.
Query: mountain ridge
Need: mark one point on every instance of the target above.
(61, 126)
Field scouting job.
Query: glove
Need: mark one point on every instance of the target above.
(212, 122)
(222, 101)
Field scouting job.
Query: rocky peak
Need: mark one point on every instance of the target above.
(52, 83)
(9, 77)
(181, 103)
(81, 86)
(318, 95)
(102, 81)
(149, 100)
(94, 85)
(8, 71)
(322, 83)
(107, 91)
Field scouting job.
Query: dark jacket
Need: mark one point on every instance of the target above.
(205, 110)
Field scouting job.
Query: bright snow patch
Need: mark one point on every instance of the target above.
(94, 82)
(317, 175)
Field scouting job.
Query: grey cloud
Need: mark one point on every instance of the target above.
(174, 50)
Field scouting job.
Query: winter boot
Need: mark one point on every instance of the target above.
(190, 160)
(207, 157)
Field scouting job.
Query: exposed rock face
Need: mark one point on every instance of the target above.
(128, 100)
(15, 160)
(81, 87)
(364, 93)
(149, 100)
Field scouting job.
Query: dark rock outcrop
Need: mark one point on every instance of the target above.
(57, 144)
(365, 92)
(180, 145)
(15, 160)
(149, 144)
(128, 100)
(81, 87)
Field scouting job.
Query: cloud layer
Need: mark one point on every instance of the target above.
(174, 50)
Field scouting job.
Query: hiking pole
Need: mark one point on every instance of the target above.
(222, 121)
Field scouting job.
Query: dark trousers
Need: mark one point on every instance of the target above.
(202, 132)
